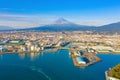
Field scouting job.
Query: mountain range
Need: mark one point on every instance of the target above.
(109, 28)
(60, 25)
(65, 25)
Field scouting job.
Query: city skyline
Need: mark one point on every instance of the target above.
(24, 14)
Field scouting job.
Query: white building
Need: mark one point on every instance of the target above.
(14, 41)
(2, 48)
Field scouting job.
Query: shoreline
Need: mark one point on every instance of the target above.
(108, 52)
(54, 50)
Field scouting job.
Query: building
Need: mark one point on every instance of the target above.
(2, 48)
(80, 53)
(23, 48)
(14, 41)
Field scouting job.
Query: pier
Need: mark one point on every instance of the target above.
(84, 58)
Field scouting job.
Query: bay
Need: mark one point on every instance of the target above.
(52, 66)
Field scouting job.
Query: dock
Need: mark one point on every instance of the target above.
(86, 59)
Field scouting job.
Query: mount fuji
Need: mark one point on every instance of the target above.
(60, 25)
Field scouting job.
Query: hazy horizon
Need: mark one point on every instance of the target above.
(29, 13)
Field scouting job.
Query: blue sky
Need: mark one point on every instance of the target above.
(29, 13)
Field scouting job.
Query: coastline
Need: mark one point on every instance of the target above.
(107, 52)
(30, 51)
(54, 50)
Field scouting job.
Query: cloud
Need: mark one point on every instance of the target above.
(34, 20)
(24, 21)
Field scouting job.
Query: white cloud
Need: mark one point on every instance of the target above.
(18, 24)
(24, 21)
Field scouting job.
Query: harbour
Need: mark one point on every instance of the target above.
(56, 65)
(84, 57)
